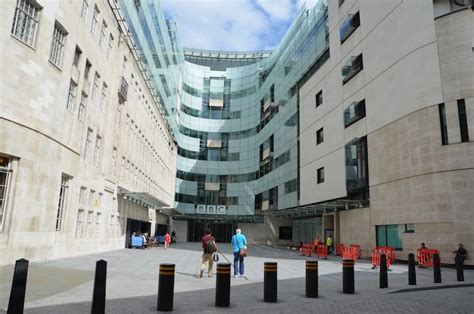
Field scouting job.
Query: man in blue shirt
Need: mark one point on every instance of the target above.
(239, 242)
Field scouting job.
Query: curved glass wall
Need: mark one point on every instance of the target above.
(234, 114)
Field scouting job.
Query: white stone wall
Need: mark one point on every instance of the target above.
(412, 63)
(45, 140)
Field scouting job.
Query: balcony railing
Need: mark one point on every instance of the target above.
(123, 89)
(353, 66)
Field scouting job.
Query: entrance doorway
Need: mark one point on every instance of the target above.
(221, 231)
(136, 226)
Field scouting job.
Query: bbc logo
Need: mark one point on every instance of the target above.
(210, 209)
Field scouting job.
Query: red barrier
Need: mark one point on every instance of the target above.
(357, 250)
(389, 253)
(339, 249)
(322, 250)
(425, 257)
(306, 249)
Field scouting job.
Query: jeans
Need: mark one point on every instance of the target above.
(238, 267)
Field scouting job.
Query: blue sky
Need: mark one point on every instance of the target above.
(241, 25)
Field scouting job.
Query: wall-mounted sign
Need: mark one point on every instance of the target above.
(211, 209)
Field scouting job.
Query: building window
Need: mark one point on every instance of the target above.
(95, 17)
(291, 186)
(99, 200)
(79, 223)
(89, 224)
(348, 26)
(109, 47)
(71, 96)
(5, 172)
(353, 66)
(25, 21)
(87, 70)
(319, 98)
(321, 175)
(63, 193)
(114, 161)
(82, 107)
(91, 198)
(88, 146)
(118, 115)
(357, 164)
(95, 87)
(98, 144)
(319, 136)
(102, 33)
(57, 45)
(390, 235)
(103, 97)
(463, 120)
(98, 217)
(82, 195)
(85, 9)
(443, 125)
(77, 56)
(354, 112)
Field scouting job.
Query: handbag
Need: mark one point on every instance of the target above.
(215, 257)
(243, 252)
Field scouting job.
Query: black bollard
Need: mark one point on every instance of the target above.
(166, 287)
(223, 285)
(459, 269)
(348, 276)
(436, 268)
(270, 282)
(383, 272)
(17, 294)
(311, 279)
(98, 295)
(411, 270)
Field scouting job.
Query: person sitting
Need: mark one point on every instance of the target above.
(461, 254)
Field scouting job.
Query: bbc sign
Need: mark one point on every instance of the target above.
(210, 209)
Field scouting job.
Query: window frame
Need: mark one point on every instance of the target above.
(63, 201)
(58, 44)
(26, 20)
(319, 98)
(320, 136)
(320, 175)
(71, 98)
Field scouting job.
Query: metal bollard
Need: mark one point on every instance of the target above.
(383, 272)
(312, 279)
(348, 276)
(436, 268)
(459, 270)
(223, 285)
(270, 282)
(166, 287)
(98, 295)
(17, 295)
(411, 270)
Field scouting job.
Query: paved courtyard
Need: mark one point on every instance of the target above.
(65, 285)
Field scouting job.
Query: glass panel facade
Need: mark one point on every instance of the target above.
(241, 99)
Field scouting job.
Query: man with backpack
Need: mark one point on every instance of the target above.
(208, 247)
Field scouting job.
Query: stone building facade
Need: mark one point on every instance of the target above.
(86, 156)
(400, 122)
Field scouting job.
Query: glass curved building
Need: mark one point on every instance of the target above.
(234, 114)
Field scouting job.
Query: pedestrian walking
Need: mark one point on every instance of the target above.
(461, 254)
(239, 246)
(329, 243)
(209, 246)
(173, 236)
(167, 240)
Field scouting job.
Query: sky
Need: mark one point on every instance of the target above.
(233, 25)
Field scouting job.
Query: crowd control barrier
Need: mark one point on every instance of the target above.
(321, 250)
(306, 249)
(389, 253)
(425, 257)
(339, 249)
(352, 252)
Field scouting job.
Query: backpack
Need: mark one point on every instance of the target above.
(210, 246)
